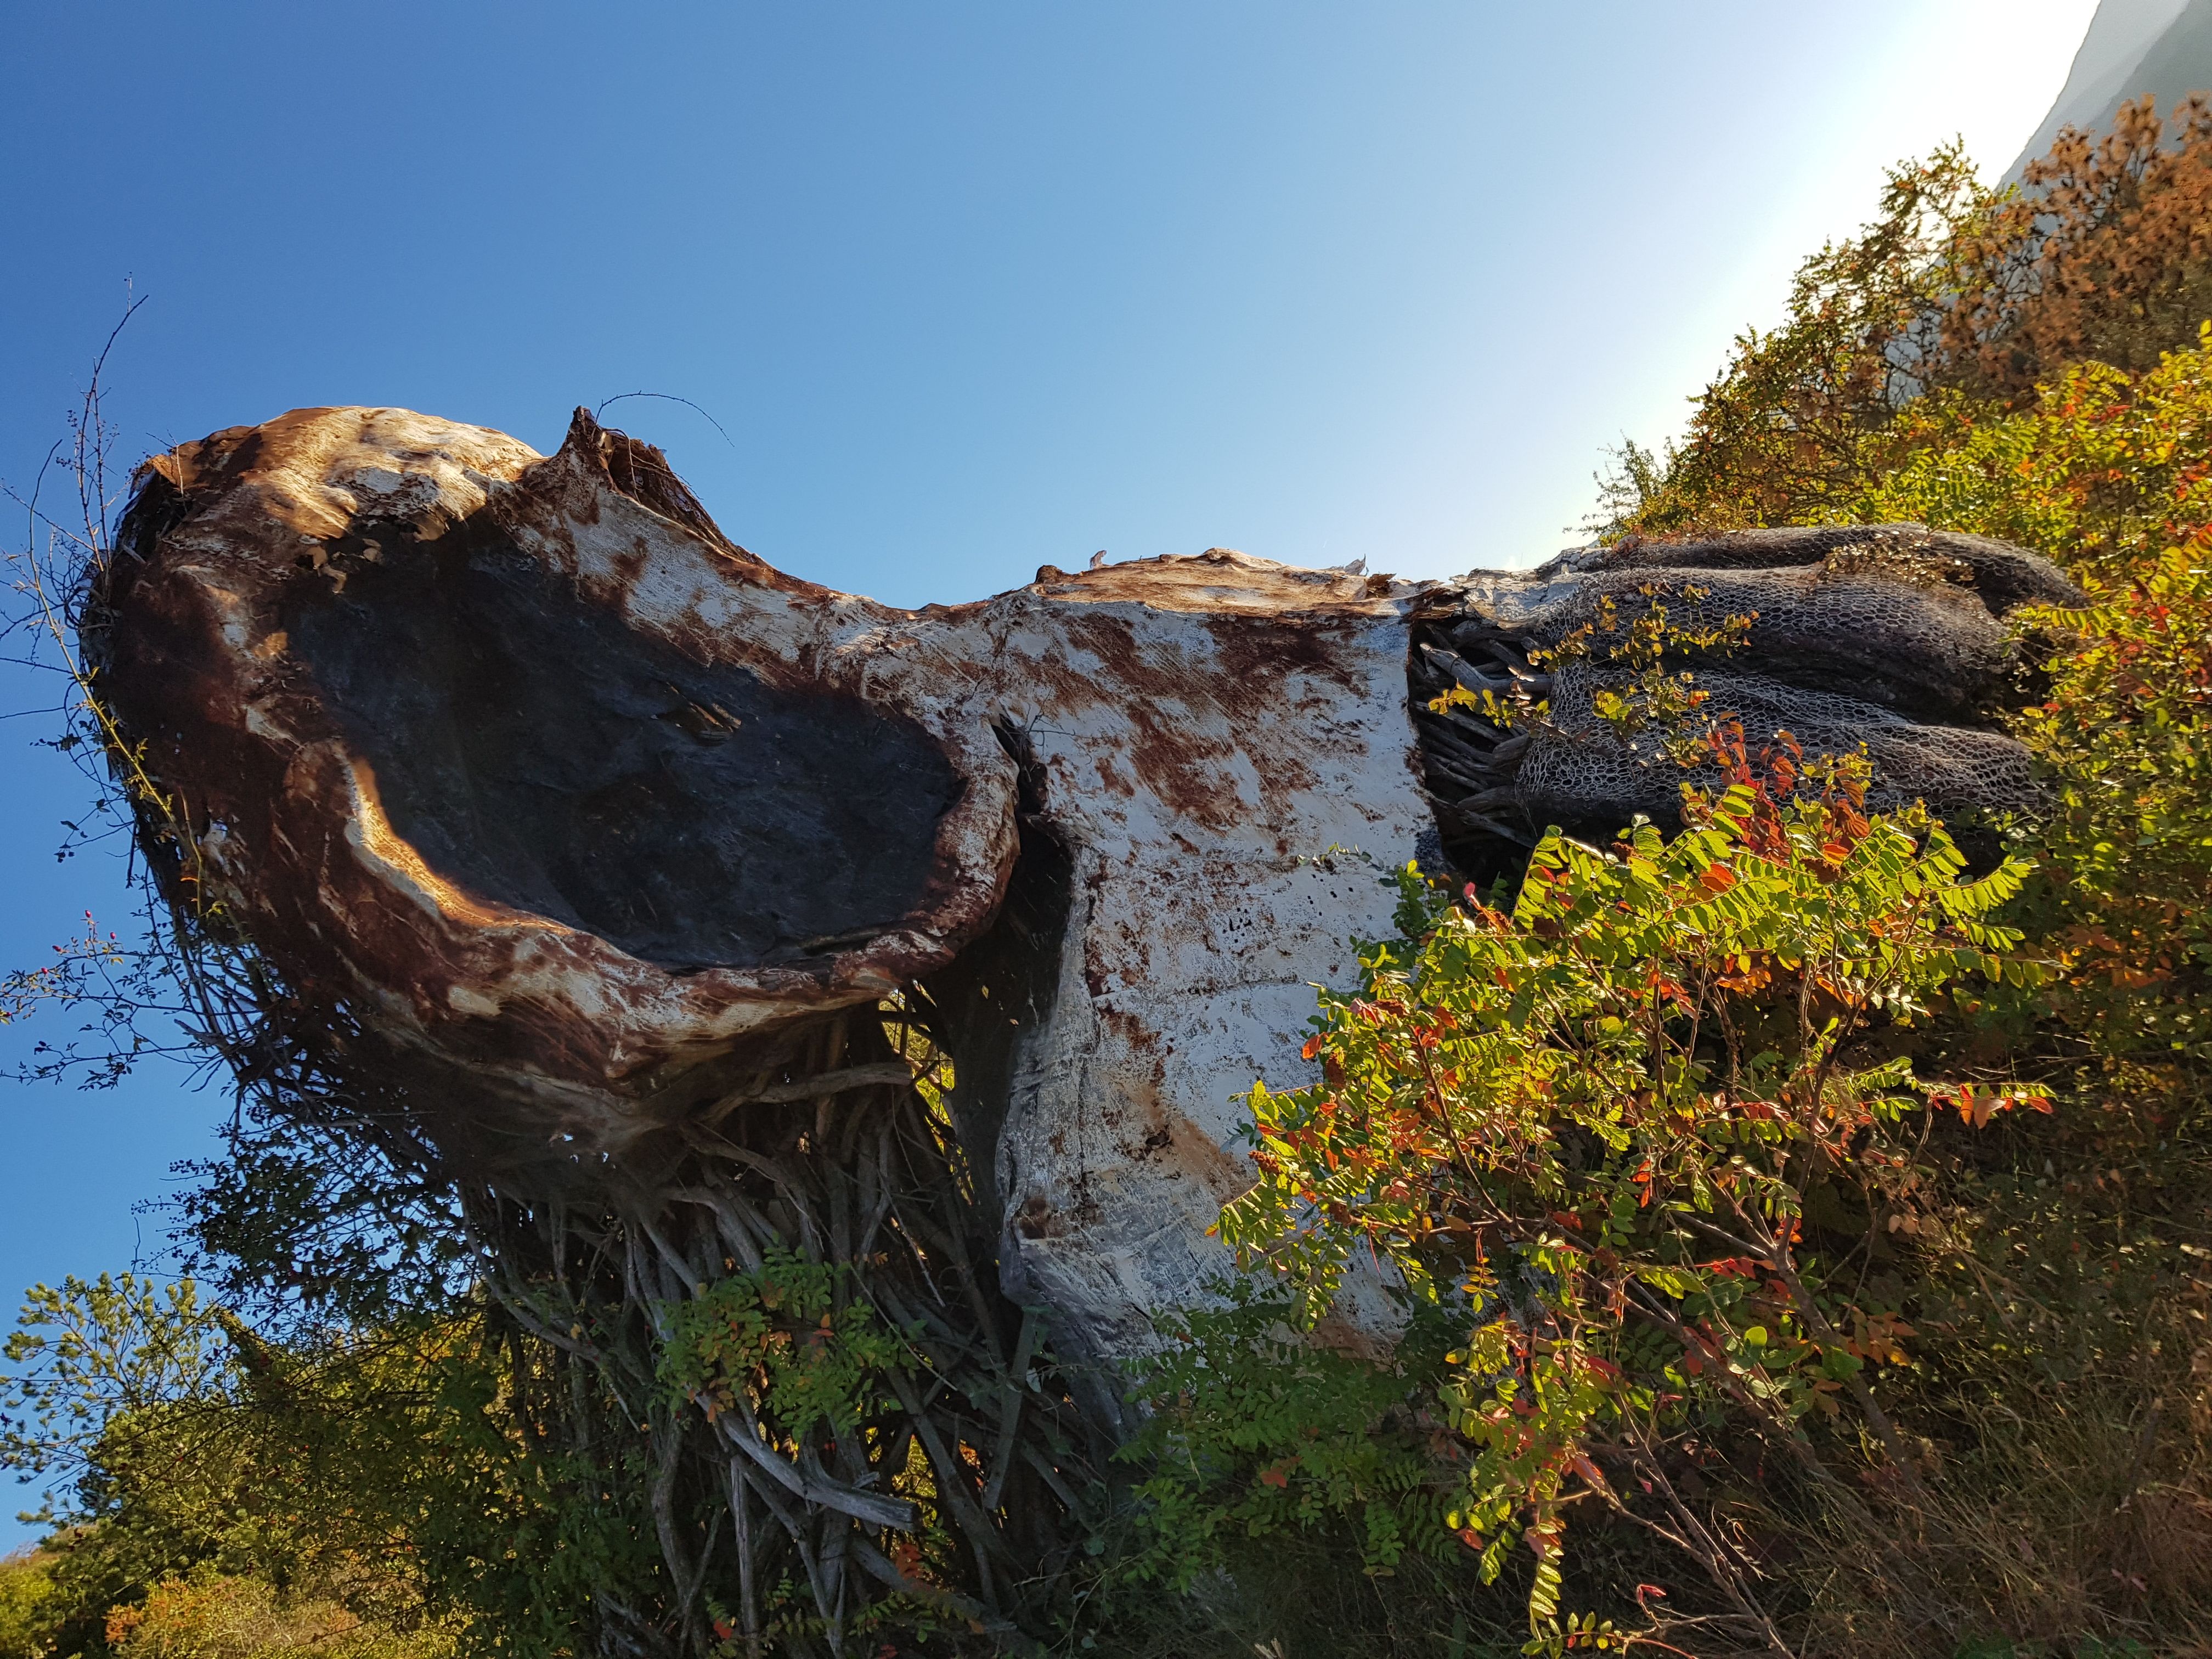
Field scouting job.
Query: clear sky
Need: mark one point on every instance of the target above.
(970, 288)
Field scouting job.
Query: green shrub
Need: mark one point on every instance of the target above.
(1256, 1432)
(1593, 1127)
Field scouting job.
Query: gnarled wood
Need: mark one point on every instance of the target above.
(525, 766)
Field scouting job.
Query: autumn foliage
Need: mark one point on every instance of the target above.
(1594, 1124)
(2104, 255)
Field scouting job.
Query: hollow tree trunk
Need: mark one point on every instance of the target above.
(520, 762)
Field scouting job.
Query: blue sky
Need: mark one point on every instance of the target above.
(970, 289)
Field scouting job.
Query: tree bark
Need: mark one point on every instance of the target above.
(519, 762)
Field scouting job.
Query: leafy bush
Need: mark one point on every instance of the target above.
(206, 1616)
(390, 1472)
(1594, 1125)
(28, 1611)
(788, 1346)
(1256, 1432)
(2102, 471)
(2104, 255)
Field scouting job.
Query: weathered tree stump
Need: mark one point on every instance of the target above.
(526, 767)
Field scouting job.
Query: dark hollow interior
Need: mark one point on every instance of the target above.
(538, 753)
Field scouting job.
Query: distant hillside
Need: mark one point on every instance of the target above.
(2163, 47)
